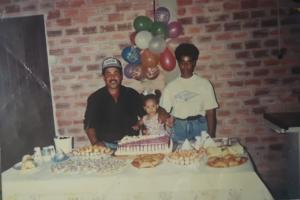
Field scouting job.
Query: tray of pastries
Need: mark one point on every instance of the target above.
(92, 150)
(229, 160)
(147, 161)
(184, 157)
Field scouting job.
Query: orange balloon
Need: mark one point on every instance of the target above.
(149, 59)
(167, 60)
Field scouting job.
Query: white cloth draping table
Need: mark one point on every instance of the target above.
(166, 182)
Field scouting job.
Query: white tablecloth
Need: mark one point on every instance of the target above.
(165, 182)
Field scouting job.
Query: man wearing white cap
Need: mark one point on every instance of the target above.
(112, 110)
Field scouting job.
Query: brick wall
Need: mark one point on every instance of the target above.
(238, 41)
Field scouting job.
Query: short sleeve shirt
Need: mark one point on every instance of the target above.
(188, 97)
(113, 120)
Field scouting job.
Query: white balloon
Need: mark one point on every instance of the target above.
(142, 39)
(157, 44)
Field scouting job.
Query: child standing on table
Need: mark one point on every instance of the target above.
(150, 124)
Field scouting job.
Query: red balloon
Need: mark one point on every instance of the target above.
(149, 59)
(167, 60)
(132, 37)
(175, 29)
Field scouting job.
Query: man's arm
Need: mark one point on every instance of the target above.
(211, 122)
(91, 133)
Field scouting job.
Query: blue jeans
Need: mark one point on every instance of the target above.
(188, 129)
(112, 146)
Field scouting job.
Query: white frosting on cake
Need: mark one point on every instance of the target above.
(186, 145)
(144, 144)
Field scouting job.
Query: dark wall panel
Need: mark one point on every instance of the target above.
(26, 115)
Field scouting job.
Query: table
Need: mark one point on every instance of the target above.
(166, 181)
(289, 123)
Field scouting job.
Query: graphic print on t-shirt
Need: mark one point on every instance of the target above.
(185, 95)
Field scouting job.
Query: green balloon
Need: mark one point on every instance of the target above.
(142, 23)
(159, 28)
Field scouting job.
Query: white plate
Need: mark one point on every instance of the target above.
(18, 167)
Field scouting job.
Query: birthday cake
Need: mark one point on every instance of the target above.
(144, 144)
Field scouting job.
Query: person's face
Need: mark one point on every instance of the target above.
(112, 78)
(186, 65)
(151, 107)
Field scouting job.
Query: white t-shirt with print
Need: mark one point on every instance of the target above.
(188, 97)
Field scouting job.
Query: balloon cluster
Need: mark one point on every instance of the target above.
(148, 47)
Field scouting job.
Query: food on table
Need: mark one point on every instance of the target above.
(98, 165)
(229, 160)
(144, 144)
(91, 150)
(185, 157)
(235, 149)
(27, 163)
(147, 161)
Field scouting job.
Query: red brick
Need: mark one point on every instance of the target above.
(247, 4)
(254, 101)
(243, 73)
(268, 23)
(235, 83)
(107, 28)
(64, 22)
(224, 36)
(290, 80)
(53, 14)
(89, 30)
(12, 9)
(93, 67)
(195, 10)
(251, 120)
(62, 105)
(250, 24)
(82, 39)
(115, 17)
(232, 26)
(30, 7)
(186, 20)
(263, 91)
(202, 39)
(266, 3)
(74, 50)
(240, 15)
(124, 27)
(72, 31)
(240, 35)
(181, 12)
(64, 123)
(259, 110)
(226, 131)
(85, 77)
(76, 3)
(221, 18)
(261, 72)
(62, 4)
(56, 52)
(263, 33)
(252, 44)
(253, 63)
(76, 86)
(214, 8)
(46, 5)
(67, 60)
(75, 68)
(242, 55)
(216, 66)
(213, 28)
(71, 12)
(242, 111)
(231, 6)
(271, 62)
(123, 6)
(269, 139)
(202, 19)
(85, 58)
(227, 94)
(235, 46)
(223, 113)
(258, 13)
(271, 81)
(253, 82)
(3, 2)
(260, 53)
(68, 77)
(184, 2)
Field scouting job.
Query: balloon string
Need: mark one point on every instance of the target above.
(153, 9)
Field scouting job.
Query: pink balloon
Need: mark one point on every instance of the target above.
(175, 29)
(132, 37)
(167, 60)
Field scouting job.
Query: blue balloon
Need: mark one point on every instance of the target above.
(131, 55)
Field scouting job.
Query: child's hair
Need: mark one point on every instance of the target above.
(153, 95)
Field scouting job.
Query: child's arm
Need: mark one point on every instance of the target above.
(164, 117)
(138, 125)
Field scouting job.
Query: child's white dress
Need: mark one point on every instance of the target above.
(154, 127)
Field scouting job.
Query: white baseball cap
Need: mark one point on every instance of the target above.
(111, 62)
